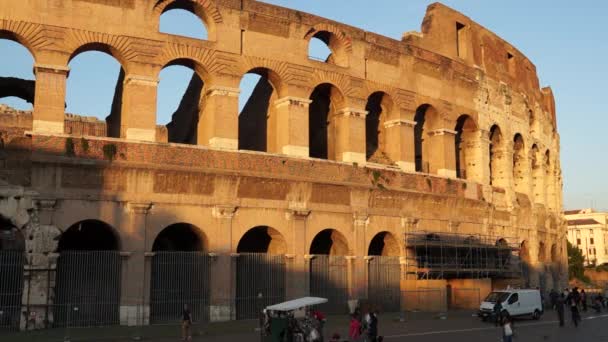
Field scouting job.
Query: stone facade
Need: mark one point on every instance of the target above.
(446, 130)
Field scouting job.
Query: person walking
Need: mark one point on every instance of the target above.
(573, 302)
(584, 300)
(354, 330)
(553, 297)
(559, 307)
(186, 324)
(372, 330)
(507, 330)
(497, 313)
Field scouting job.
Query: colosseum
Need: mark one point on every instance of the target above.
(392, 170)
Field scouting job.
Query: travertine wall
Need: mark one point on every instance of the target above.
(468, 138)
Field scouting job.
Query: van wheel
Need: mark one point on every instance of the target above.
(536, 315)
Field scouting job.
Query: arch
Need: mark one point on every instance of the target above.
(17, 82)
(18, 38)
(205, 10)
(258, 117)
(89, 235)
(542, 252)
(327, 100)
(519, 164)
(104, 47)
(262, 239)
(466, 130)
(384, 244)
(182, 22)
(329, 242)
(427, 119)
(380, 108)
(537, 174)
(335, 39)
(182, 237)
(554, 256)
(496, 144)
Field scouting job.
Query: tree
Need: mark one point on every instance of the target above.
(576, 269)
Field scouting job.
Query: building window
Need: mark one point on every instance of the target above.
(460, 40)
(591, 241)
(578, 241)
(510, 63)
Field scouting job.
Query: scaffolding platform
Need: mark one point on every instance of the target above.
(434, 255)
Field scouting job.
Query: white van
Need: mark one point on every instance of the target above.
(515, 303)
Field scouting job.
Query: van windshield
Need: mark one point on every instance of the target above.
(493, 296)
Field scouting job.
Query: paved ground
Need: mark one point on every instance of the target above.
(459, 326)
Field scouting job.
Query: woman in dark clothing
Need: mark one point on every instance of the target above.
(372, 330)
(186, 323)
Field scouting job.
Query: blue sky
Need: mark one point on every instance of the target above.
(565, 40)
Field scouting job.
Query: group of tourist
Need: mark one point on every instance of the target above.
(364, 327)
(575, 300)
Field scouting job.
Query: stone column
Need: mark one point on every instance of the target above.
(138, 113)
(442, 156)
(223, 279)
(290, 135)
(503, 171)
(49, 100)
(400, 143)
(480, 157)
(297, 275)
(349, 136)
(359, 270)
(219, 120)
(135, 280)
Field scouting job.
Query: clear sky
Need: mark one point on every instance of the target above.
(566, 41)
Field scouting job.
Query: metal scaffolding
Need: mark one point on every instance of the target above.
(433, 255)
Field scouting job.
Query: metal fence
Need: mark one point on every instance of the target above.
(383, 283)
(260, 281)
(88, 286)
(329, 279)
(11, 288)
(179, 278)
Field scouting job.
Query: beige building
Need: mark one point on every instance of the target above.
(424, 165)
(588, 230)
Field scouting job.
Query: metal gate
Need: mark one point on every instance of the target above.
(179, 278)
(384, 283)
(329, 279)
(87, 288)
(11, 288)
(260, 281)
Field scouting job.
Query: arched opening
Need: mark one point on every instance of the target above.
(383, 244)
(325, 46)
(88, 278)
(12, 261)
(328, 270)
(257, 117)
(326, 101)
(180, 19)
(427, 120)
(503, 254)
(524, 256)
(379, 107)
(180, 274)
(17, 81)
(466, 130)
(95, 85)
(519, 164)
(261, 271)
(542, 252)
(537, 174)
(531, 119)
(180, 92)
(496, 144)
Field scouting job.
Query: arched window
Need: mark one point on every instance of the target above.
(427, 120)
(326, 101)
(536, 165)
(379, 107)
(466, 130)
(184, 18)
(519, 164)
(95, 85)
(496, 142)
(257, 113)
(325, 46)
(17, 81)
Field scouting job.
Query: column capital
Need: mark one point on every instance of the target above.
(222, 91)
(408, 222)
(47, 204)
(57, 69)
(348, 111)
(297, 214)
(360, 219)
(223, 211)
(141, 79)
(399, 122)
(139, 208)
(292, 101)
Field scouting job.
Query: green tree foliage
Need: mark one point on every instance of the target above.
(576, 268)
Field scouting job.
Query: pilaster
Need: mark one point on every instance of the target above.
(297, 279)
(399, 143)
(223, 268)
(218, 122)
(138, 112)
(442, 157)
(349, 138)
(290, 136)
(49, 99)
